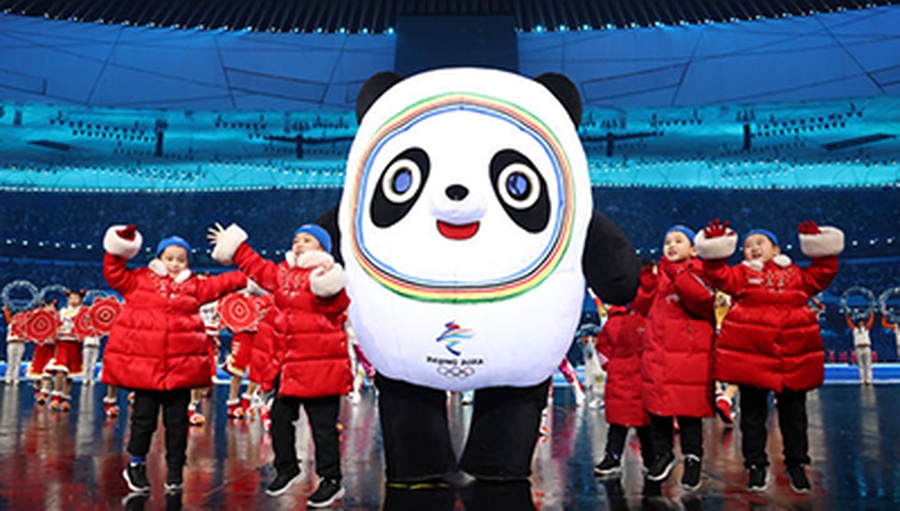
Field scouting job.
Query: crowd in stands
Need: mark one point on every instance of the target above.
(37, 222)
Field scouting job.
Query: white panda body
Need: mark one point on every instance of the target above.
(463, 219)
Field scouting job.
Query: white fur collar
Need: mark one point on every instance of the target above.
(781, 260)
(307, 259)
(158, 267)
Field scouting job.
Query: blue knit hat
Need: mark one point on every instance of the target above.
(765, 232)
(683, 229)
(320, 234)
(173, 240)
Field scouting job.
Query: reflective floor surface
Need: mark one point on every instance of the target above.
(74, 460)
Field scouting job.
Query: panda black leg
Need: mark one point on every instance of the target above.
(414, 428)
(505, 427)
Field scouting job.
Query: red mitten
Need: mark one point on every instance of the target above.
(669, 268)
(127, 233)
(716, 229)
(648, 279)
(809, 227)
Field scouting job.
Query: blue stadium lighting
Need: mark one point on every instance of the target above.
(390, 30)
(539, 28)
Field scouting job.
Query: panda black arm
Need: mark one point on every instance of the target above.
(609, 262)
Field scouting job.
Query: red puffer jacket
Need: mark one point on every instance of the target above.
(677, 360)
(621, 342)
(770, 338)
(302, 337)
(159, 341)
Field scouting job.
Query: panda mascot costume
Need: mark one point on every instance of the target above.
(467, 231)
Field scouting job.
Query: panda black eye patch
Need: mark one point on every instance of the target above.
(399, 187)
(521, 190)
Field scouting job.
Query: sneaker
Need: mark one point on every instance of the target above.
(609, 466)
(758, 478)
(662, 466)
(282, 482)
(234, 409)
(136, 477)
(723, 410)
(246, 405)
(110, 408)
(329, 491)
(265, 418)
(799, 482)
(175, 480)
(690, 479)
(135, 500)
(195, 417)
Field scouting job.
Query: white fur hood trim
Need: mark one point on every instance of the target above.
(781, 261)
(830, 242)
(118, 246)
(228, 244)
(321, 283)
(307, 259)
(330, 283)
(716, 248)
(158, 267)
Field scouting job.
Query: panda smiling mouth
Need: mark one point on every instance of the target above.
(457, 232)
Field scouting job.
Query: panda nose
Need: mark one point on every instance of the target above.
(457, 192)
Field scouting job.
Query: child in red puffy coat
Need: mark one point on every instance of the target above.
(301, 348)
(158, 345)
(770, 339)
(676, 362)
(620, 341)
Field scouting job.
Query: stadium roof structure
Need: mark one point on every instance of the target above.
(378, 16)
(780, 102)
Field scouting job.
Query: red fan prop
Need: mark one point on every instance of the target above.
(42, 325)
(84, 327)
(18, 324)
(239, 313)
(262, 302)
(104, 313)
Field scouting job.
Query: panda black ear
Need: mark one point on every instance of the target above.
(373, 89)
(565, 91)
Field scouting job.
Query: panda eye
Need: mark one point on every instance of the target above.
(399, 187)
(518, 186)
(402, 180)
(521, 190)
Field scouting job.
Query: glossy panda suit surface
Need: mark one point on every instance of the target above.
(465, 220)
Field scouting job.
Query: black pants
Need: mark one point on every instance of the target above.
(615, 441)
(690, 432)
(504, 430)
(323, 415)
(145, 416)
(792, 420)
